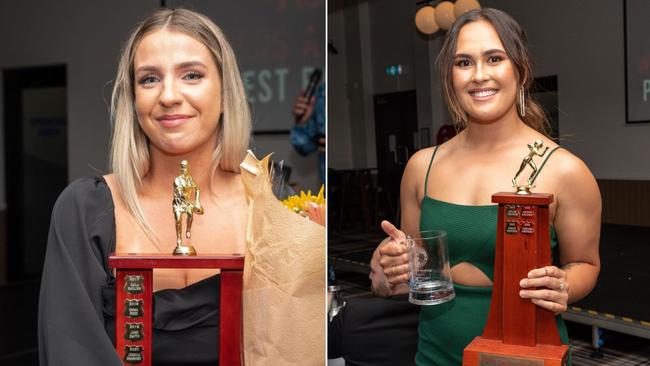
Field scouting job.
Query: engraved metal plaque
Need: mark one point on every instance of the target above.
(133, 331)
(512, 211)
(527, 227)
(527, 211)
(134, 284)
(511, 227)
(486, 359)
(133, 354)
(133, 308)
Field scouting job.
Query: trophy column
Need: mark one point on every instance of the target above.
(133, 315)
(134, 308)
(517, 331)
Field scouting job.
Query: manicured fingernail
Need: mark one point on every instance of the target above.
(522, 293)
(522, 283)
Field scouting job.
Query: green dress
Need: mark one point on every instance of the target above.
(446, 329)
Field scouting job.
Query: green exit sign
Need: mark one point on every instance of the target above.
(394, 70)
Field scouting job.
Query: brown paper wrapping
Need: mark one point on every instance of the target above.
(284, 278)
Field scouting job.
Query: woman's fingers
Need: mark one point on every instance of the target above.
(547, 288)
(393, 249)
(550, 305)
(549, 282)
(547, 271)
(391, 256)
(397, 280)
(397, 274)
(395, 267)
(392, 231)
(396, 270)
(552, 300)
(545, 294)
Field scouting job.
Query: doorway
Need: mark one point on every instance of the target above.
(36, 156)
(396, 126)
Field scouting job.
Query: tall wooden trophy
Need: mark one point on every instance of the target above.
(517, 331)
(134, 280)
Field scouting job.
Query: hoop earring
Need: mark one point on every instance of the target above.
(522, 102)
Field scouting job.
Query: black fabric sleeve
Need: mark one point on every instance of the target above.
(70, 321)
(375, 332)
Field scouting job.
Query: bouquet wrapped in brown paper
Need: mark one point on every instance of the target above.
(284, 278)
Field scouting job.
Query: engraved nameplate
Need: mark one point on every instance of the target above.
(511, 227)
(133, 308)
(486, 359)
(527, 211)
(512, 211)
(134, 284)
(133, 354)
(527, 227)
(133, 331)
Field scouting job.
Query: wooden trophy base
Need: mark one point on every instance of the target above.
(491, 352)
(134, 302)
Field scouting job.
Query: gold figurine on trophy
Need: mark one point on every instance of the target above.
(183, 187)
(535, 150)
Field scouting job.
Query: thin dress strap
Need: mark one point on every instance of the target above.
(543, 163)
(426, 178)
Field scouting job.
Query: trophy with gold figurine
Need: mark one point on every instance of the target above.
(517, 331)
(134, 284)
(184, 184)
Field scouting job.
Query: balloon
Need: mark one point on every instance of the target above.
(463, 6)
(444, 15)
(425, 20)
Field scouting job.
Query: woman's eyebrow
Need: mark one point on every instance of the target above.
(182, 65)
(188, 64)
(492, 51)
(484, 53)
(146, 68)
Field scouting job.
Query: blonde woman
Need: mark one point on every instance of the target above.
(177, 96)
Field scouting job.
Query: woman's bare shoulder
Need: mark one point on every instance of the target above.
(419, 162)
(568, 165)
(422, 155)
(574, 180)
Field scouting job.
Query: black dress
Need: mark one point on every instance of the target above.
(76, 324)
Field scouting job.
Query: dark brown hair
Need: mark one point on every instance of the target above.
(516, 46)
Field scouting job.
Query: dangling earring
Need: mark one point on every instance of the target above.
(522, 102)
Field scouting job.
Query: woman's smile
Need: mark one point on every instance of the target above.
(173, 120)
(483, 94)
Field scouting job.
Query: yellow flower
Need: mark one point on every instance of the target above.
(300, 203)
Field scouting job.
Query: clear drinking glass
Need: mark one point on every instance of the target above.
(430, 281)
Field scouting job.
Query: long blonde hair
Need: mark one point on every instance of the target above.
(515, 43)
(129, 157)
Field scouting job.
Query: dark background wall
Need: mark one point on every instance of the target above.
(580, 42)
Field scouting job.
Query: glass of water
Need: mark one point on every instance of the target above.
(430, 281)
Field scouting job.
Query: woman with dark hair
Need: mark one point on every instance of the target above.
(486, 73)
